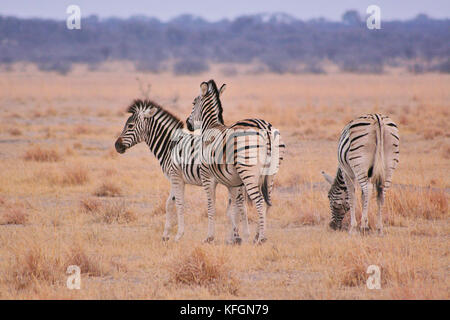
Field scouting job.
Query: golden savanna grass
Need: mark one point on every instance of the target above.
(67, 198)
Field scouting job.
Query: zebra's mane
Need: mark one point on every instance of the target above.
(219, 103)
(139, 105)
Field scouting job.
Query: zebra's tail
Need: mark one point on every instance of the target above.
(378, 166)
(275, 153)
(266, 188)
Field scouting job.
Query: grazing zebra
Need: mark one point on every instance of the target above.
(177, 153)
(368, 151)
(245, 154)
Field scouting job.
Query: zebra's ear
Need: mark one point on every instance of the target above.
(150, 112)
(204, 88)
(327, 177)
(222, 89)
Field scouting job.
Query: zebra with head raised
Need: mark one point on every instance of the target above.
(178, 154)
(368, 151)
(245, 154)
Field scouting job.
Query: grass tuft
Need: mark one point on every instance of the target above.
(38, 154)
(200, 268)
(108, 189)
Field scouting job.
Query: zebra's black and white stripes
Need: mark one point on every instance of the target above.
(178, 154)
(368, 151)
(244, 154)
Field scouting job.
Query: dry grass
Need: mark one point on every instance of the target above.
(109, 212)
(108, 189)
(12, 212)
(15, 215)
(89, 205)
(35, 266)
(89, 265)
(59, 205)
(15, 132)
(116, 212)
(426, 203)
(202, 268)
(38, 154)
(75, 175)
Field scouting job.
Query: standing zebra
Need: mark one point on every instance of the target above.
(177, 153)
(368, 151)
(245, 154)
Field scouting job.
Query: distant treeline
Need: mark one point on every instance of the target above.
(280, 43)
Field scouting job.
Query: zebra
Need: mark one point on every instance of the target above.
(368, 151)
(177, 153)
(230, 159)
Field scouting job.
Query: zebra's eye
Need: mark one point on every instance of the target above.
(130, 126)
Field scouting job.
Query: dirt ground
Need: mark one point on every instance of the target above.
(67, 198)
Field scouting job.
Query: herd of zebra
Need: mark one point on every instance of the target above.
(246, 156)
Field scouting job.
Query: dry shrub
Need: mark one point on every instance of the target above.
(34, 266)
(15, 132)
(89, 264)
(76, 175)
(422, 203)
(12, 212)
(36, 153)
(352, 273)
(108, 189)
(38, 264)
(115, 212)
(15, 215)
(398, 266)
(90, 205)
(200, 268)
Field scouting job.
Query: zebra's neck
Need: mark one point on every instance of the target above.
(339, 183)
(212, 112)
(162, 131)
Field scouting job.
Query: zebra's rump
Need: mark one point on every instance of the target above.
(358, 144)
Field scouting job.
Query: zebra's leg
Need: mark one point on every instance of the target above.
(170, 203)
(233, 215)
(352, 202)
(253, 190)
(210, 188)
(242, 209)
(178, 184)
(365, 195)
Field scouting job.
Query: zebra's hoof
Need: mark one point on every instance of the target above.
(237, 241)
(208, 240)
(178, 237)
(260, 241)
(234, 241)
(165, 239)
(380, 231)
(352, 230)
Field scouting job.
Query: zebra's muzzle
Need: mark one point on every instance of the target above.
(120, 148)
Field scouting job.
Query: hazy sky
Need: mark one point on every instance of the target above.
(215, 10)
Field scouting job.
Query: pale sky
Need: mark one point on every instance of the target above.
(214, 10)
